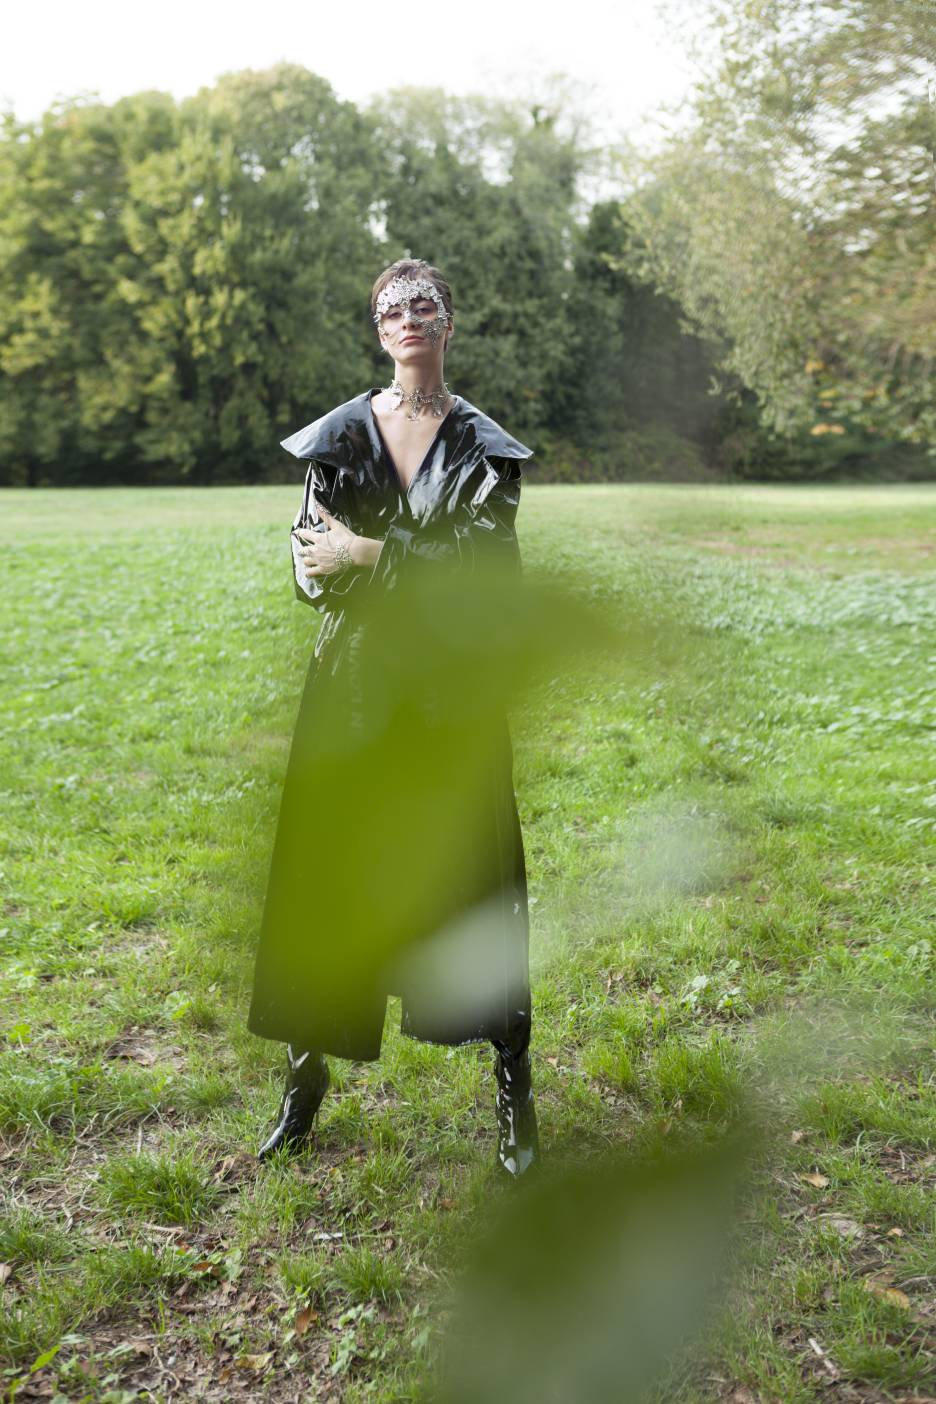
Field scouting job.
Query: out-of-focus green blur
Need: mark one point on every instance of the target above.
(586, 1284)
(389, 855)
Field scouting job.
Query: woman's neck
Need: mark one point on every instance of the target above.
(415, 401)
(426, 379)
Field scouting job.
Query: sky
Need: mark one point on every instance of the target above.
(625, 60)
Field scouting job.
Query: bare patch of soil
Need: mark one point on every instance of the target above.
(204, 1364)
(793, 555)
(145, 1047)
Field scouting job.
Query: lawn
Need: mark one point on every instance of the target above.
(733, 917)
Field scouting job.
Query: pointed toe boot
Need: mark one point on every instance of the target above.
(517, 1136)
(307, 1080)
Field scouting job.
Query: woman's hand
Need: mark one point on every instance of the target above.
(319, 555)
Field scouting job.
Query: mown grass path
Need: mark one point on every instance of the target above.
(746, 837)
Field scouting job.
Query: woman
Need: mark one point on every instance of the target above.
(398, 864)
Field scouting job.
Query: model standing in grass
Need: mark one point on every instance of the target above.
(402, 483)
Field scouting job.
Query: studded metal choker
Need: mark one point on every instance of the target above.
(416, 400)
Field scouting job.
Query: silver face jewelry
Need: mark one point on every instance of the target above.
(401, 292)
(436, 401)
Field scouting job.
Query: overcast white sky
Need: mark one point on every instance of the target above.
(624, 56)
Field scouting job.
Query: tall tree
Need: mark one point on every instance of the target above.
(252, 237)
(179, 284)
(796, 216)
(487, 189)
(64, 329)
(632, 364)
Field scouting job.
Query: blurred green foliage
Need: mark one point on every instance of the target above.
(586, 1285)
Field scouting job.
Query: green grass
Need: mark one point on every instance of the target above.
(733, 916)
(172, 1188)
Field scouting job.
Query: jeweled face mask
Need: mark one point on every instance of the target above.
(411, 297)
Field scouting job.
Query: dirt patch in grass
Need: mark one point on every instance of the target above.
(211, 1360)
(914, 545)
(907, 1167)
(145, 1047)
(65, 1189)
(819, 1368)
(138, 941)
(768, 554)
(855, 552)
(831, 1387)
(871, 1256)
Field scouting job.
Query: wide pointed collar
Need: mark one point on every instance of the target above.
(346, 436)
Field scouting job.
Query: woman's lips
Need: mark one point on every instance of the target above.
(410, 338)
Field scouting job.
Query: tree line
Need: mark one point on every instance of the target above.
(182, 284)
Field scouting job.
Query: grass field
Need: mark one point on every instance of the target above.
(742, 841)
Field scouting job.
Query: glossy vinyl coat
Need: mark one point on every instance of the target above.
(315, 985)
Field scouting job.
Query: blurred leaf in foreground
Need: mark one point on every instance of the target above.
(588, 1282)
(398, 826)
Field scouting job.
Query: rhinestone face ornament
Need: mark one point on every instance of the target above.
(401, 292)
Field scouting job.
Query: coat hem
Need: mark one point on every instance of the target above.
(444, 1042)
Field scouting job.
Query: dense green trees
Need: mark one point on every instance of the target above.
(490, 188)
(176, 281)
(182, 284)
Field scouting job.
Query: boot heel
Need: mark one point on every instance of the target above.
(517, 1132)
(307, 1081)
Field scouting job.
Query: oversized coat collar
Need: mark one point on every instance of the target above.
(347, 436)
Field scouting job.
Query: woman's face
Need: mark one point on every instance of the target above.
(409, 314)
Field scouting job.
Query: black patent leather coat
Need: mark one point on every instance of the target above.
(316, 981)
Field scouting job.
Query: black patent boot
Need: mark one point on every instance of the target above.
(307, 1080)
(517, 1136)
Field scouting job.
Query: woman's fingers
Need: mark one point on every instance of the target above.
(317, 550)
(316, 567)
(340, 531)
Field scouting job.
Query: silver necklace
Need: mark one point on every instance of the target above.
(416, 400)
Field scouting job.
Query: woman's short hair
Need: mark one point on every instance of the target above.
(412, 268)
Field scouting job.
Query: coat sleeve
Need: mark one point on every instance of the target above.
(323, 483)
(481, 530)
